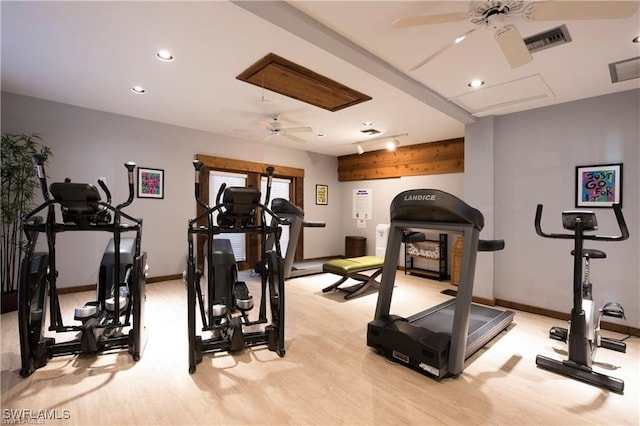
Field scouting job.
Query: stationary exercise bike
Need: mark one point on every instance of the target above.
(224, 307)
(120, 292)
(583, 336)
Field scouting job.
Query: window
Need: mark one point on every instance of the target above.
(252, 172)
(216, 179)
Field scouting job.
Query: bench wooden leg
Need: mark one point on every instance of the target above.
(355, 290)
(336, 284)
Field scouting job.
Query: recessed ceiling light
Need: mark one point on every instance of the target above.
(321, 135)
(139, 90)
(367, 123)
(164, 55)
(474, 84)
(637, 39)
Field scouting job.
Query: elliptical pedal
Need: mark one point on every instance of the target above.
(242, 299)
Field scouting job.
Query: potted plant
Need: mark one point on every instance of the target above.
(19, 183)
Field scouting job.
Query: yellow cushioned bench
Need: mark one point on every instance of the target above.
(351, 268)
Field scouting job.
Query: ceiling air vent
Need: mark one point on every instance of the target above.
(625, 70)
(370, 132)
(553, 37)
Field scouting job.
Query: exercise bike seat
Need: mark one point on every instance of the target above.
(591, 254)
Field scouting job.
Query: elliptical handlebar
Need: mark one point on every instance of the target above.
(270, 171)
(223, 186)
(130, 168)
(105, 189)
(197, 165)
(38, 160)
(622, 225)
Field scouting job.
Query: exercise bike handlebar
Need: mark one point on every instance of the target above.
(622, 225)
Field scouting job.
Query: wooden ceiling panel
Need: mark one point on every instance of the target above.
(282, 76)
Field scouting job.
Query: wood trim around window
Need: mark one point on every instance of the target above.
(254, 170)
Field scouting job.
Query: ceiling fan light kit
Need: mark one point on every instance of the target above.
(275, 128)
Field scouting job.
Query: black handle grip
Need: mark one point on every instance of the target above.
(105, 189)
(270, 171)
(490, 245)
(130, 166)
(198, 165)
(38, 160)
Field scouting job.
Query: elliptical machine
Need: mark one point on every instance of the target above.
(120, 297)
(583, 336)
(224, 313)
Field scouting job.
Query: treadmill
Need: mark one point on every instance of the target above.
(437, 341)
(287, 210)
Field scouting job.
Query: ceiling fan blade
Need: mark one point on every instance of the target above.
(579, 10)
(438, 52)
(512, 46)
(414, 21)
(296, 129)
(294, 138)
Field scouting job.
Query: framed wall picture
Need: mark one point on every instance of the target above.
(322, 195)
(599, 185)
(150, 183)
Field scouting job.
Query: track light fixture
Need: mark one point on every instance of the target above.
(391, 144)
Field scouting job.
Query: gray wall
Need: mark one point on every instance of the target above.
(512, 163)
(534, 155)
(383, 191)
(88, 144)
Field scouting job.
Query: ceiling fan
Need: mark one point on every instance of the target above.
(496, 14)
(275, 128)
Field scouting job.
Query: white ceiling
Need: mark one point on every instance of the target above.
(90, 54)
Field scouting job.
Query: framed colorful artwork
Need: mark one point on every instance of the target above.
(150, 183)
(599, 185)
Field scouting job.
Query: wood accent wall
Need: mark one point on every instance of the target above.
(414, 160)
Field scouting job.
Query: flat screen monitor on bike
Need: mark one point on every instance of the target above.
(588, 219)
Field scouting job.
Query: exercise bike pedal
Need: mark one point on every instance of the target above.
(613, 309)
(613, 344)
(558, 333)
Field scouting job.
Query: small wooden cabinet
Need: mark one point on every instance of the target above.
(433, 250)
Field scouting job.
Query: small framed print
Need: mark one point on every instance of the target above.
(322, 195)
(150, 183)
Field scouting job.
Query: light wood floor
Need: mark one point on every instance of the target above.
(328, 375)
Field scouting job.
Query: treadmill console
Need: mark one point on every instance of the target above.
(433, 205)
